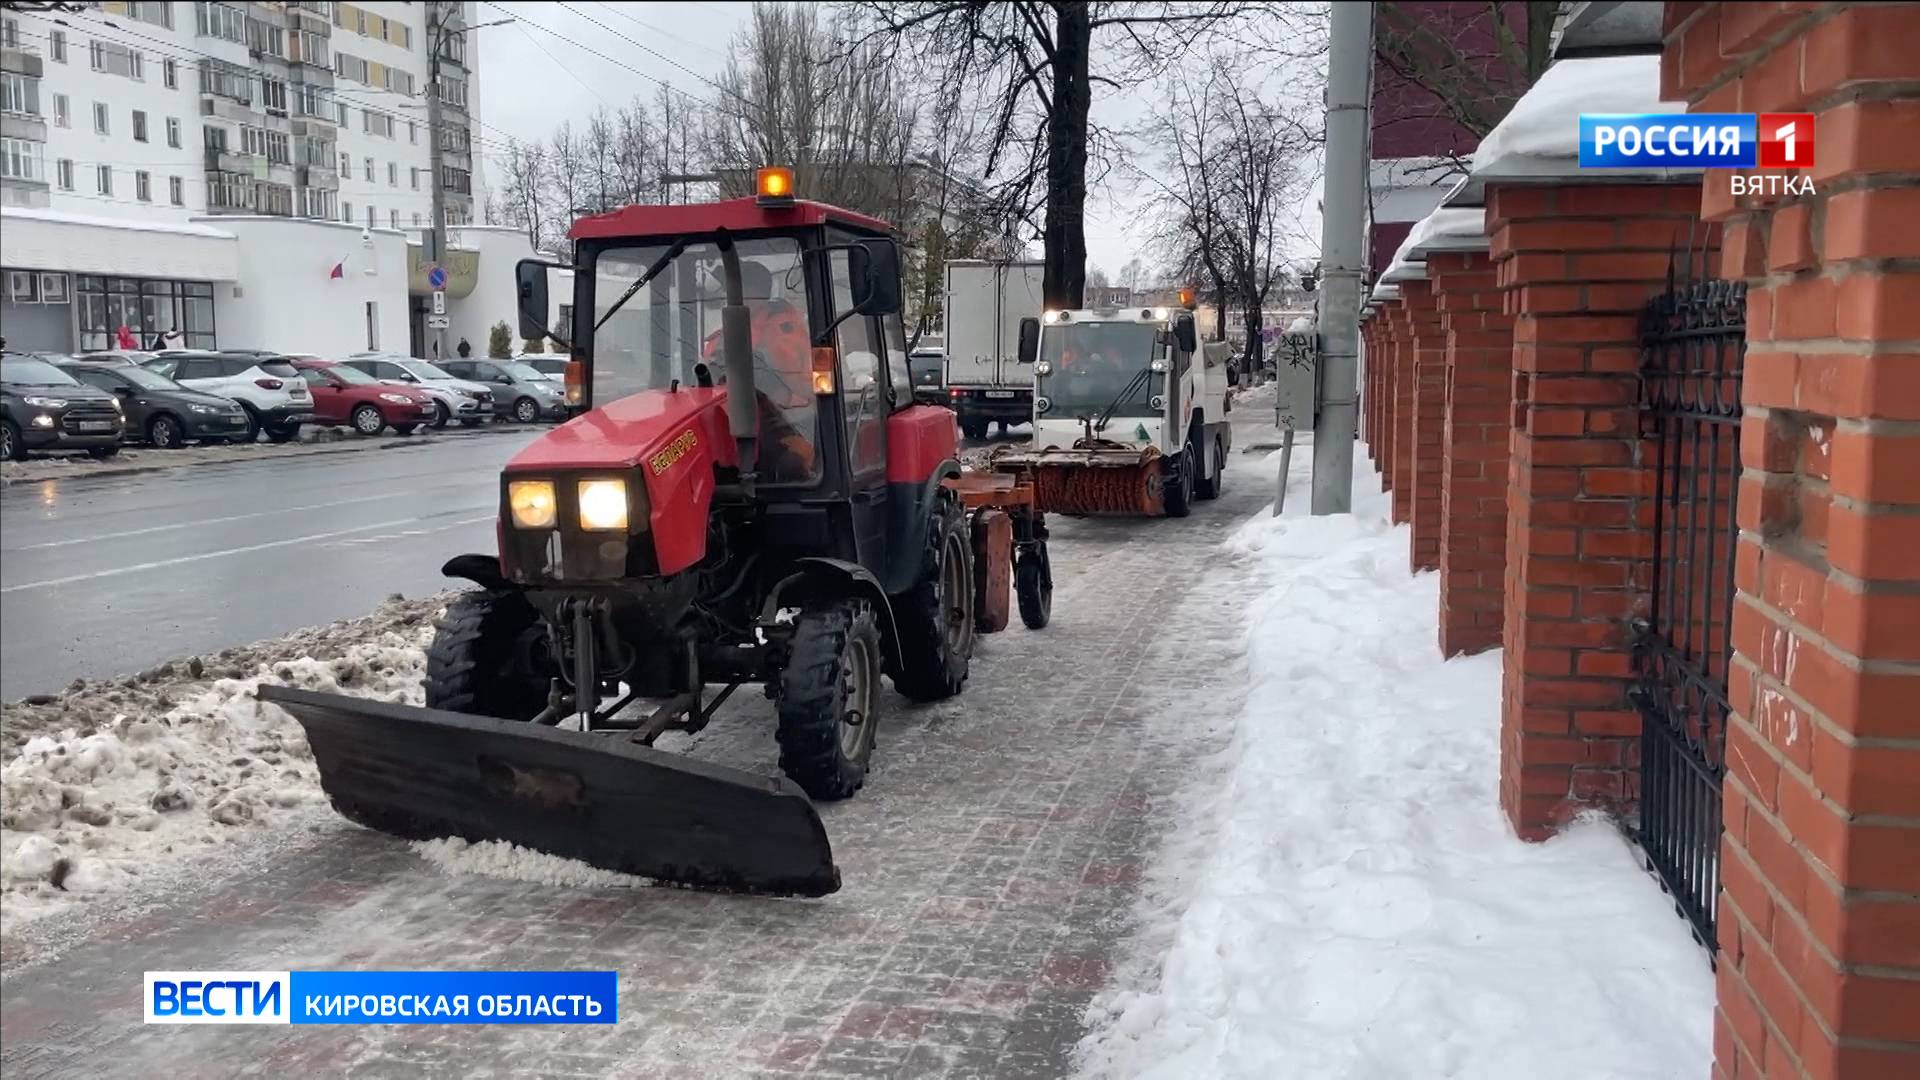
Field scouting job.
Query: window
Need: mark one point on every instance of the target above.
(369, 170)
(173, 132)
(393, 174)
(317, 203)
(899, 372)
(101, 126)
(346, 212)
(229, 191)
(57, 46)
(413, 134)
(458, 180)
(221, 21)
(273, 95)
(170, 73)
(456, 140)
(860, 392)
(114, 59)
(215, 138)
(62, 111)
(267, 38)
(143, 186)
(279, 149)
(416, 219)
(393, 218)
(370, 212)
(226, 80)
(342, 107)
(400, 82)
(455, 48)
(65, 171)
(414, 174)
(317, 152)
(176, 191)
(139, 126)
(19, 94)
(253, 140)
(346, 165)
(157, 12)
(308, 100)
(453, 91)
(306, 47)
(350, 67)
(10, 33)
(406, 35)
(276, 199)
(103, 179)
(379, 123)
(23, 160)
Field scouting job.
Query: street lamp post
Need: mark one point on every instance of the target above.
(438, 32)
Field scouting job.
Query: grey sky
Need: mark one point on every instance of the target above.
(533, 79)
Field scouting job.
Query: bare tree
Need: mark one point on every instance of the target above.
(1097, 278)
(520, 194)
(1038, 59)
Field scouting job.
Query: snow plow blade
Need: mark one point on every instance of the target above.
(423, 774)
(1104, 478)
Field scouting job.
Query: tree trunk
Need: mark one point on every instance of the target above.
(1064, 281)
(1219, 308)
(1256, 347)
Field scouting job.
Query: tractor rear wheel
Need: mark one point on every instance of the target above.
(935, 617)
(482, 658)
(828, 697)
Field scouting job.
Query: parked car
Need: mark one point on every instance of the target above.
(469, 402)
(929, 375)
(266, 386)
(520, 391)
(118, 356)
(161, 411)
(44, 408)
(347, 395)
(553, 367)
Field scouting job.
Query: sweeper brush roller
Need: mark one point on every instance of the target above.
(1088, 482)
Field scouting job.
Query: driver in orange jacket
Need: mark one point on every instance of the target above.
(784, 350)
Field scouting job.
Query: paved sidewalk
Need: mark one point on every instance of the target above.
(990, 867)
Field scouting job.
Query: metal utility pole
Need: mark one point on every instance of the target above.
(438, 15)
(1342, 230)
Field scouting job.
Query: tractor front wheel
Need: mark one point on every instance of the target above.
(935, 617)
(482, 660)
(828, 697)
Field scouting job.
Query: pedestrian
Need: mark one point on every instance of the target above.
(124, 338)
(465, 350)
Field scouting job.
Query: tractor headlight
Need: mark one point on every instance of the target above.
(1042, 368)
(532, 503)
(603, 505)
(1158, 366)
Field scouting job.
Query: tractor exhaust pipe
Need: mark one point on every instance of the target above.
(736, 343)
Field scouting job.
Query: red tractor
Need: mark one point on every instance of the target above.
(747, 494)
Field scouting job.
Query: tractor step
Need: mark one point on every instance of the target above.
(423, 774)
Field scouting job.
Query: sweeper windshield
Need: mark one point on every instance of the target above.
(1100, 367)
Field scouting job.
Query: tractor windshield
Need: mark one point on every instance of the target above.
(670, 331)
(1094, 365)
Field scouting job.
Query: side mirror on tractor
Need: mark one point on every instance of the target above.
(1185, 335)
(530, 279)
(1029, 340)
(874, 267)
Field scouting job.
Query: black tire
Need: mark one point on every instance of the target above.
(366, 420)
(1179, 490)
(99, 453)
(442, 415)
(1033, 585)
(526, 410)
(253, 425)
(284, 433)
(479, 660)
(165, 432)
(1208, 487)
(12, 446)
(828, 699)
(404, 429)
(973, 429)
(936, 629)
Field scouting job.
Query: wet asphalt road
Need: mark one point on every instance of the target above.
(107, 575)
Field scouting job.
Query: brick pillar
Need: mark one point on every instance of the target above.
(1578, 263)
(1819, 914)
(1400, 328)
(1428, 369)
(1370, 350)
(1473, 466)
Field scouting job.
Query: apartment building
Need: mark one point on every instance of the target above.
(146, 147)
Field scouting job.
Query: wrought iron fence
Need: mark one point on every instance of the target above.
(1693, 343)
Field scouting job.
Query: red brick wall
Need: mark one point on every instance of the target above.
(1428, 361)
(1820, 910)
(1473, 466)
(1578, 263)
(1400, 330)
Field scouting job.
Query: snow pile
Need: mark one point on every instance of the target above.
(495, 858)
(1545, 122)
(90, 808)
(1344, 898)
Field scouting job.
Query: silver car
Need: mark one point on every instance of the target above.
(471, 403)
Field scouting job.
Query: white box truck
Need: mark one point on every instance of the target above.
(985, 303)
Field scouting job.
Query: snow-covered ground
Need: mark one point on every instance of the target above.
(1344, 900)
(112, 783)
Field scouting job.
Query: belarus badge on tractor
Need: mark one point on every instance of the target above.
(1129, 412)
(748, 494)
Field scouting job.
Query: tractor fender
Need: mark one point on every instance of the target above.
(817, 575)
(907, 519)
(482, 570)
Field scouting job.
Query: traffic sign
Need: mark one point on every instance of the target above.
(437, 277)
(438, 322)
(439, 302)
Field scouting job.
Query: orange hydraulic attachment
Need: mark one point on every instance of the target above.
(999, 504)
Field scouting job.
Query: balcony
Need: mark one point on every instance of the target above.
(316, 176)
(22, 59)
(312, 127)
(31, 127)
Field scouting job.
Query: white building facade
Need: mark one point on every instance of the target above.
(249, 174)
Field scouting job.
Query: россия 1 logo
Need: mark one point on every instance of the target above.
(1704, 141)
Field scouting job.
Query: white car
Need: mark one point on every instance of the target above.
(266, 386)
(471, 403)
